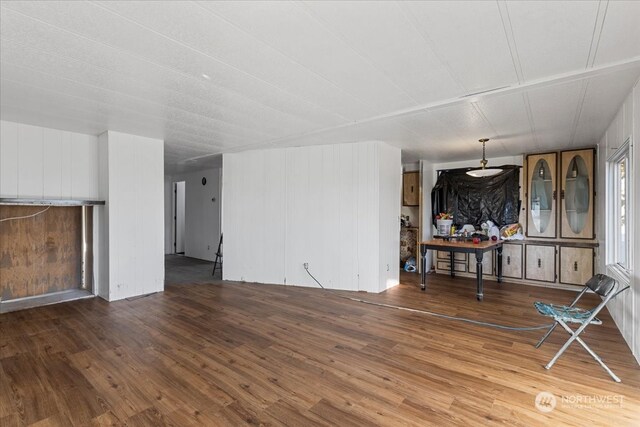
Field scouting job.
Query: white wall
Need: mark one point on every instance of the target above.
(179, 208)
(625, 308)
(390, 191)
(202, 213)
(168, 214)
(131, 255)
(335, 207)
(38, 162)
(428, 181)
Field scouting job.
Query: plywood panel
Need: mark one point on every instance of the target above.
(42, 254)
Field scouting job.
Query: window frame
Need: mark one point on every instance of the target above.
(624, 152)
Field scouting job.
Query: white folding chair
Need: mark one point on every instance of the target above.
(602, 285)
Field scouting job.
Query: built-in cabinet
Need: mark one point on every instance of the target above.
(558, 210)
(540, 263)
(411, 188)
(512, 261)
(528, 261)
(574, 185)
(487, 264)
(576, 265)
(542, 194)
(577, 194)
(560, 207)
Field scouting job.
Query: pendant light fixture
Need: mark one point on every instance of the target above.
(484, 171)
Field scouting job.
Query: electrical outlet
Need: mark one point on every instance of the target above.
(306, 265)
(208, 247)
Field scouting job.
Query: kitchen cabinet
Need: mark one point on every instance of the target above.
(457, 256)
(411, 189)
(576, 194)
(445, 267)
(540, 263)
(560, 201)
(576, 265)
(558, 212)
(512, 261)
(487, 264)
(443, 262)
(530, 261)
(541, 195)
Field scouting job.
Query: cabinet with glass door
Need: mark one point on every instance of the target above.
(576, 194)
(560, 200)
(541, 195)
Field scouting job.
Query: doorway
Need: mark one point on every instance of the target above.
(178, 217)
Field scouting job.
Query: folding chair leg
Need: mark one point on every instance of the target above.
(546, 335)
(574, 336)
(564, 347)
(600, 362)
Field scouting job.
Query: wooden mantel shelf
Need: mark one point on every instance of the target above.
(50, 202)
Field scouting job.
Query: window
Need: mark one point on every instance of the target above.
(619, 206)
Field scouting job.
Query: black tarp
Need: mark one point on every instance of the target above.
(475, 200)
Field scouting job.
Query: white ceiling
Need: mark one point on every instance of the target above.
(300, 73)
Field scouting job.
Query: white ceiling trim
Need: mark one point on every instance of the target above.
(534, 84)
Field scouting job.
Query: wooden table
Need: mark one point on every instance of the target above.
(452, 246)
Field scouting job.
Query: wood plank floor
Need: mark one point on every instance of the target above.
(234, 354)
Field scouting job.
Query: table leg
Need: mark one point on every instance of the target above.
(423, 269)
(479, 275)
(499, 251)
(451, 258)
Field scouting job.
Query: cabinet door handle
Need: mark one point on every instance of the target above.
(575, 266)
(508, 260)
(412, 188)
(562, 194)
(539, 263)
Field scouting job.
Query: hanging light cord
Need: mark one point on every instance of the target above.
(484, 157)
(26, 216)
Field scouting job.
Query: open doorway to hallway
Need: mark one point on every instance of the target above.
(193, 219)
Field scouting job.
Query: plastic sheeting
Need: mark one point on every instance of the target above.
(475, 200)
